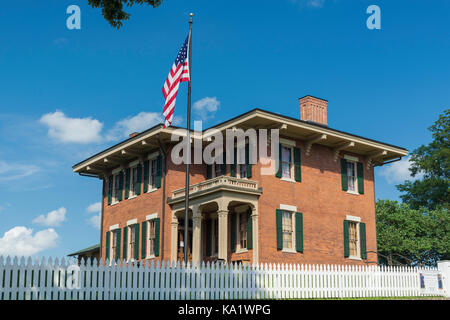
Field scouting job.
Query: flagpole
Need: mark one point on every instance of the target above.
(188, 150)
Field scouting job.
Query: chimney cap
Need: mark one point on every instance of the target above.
(310, 96)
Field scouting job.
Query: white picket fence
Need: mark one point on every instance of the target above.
(66, 280)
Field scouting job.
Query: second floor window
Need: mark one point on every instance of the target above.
(286, 162)
(352, 178)
(153, 172)
(217, 170)
(115, 193)
(133, 180)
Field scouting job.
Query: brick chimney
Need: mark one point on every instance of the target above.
(313, 109)
(134, 134)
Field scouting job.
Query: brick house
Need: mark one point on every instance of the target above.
(319, 207)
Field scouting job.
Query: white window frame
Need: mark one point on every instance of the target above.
(355, 177)
(130, 245)
(115, 193)
(291, 162)
(150, 219)
(152, 158)
(356, 221)
(240, 211)
(132, 193)
(292, 210)
(113, 241)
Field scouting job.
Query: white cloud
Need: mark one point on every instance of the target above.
(52, 219)
(309, 3)
(95, 221)
(94, 208)
(138, 123)
(206, 108)
(76, 130)
(15, 171)
(20, 241)
(398, 172)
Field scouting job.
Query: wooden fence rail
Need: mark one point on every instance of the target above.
(65, 279)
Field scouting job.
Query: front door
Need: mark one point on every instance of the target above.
(182, 243)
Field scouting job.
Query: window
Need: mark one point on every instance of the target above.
(243, 229)
(286, 162)
(131, 242)
(217, 172)
(353, 238)
(153, 172)
(151, 239)
(113, 245)
(133, 180)
(287, 230)
(352, 178)
(115, 193)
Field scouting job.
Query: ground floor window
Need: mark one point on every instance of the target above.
(353, 238)
(287, 230)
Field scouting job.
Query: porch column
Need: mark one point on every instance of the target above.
(255, 233)
(174, 240)
(223, 234)
(196, 235)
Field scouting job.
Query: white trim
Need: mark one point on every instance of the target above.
(287, 179)
(114, 227)
(353, 218)
(117, 170)
(289, 250)
(351, 158)
(153, 155)
(290, 143)
(353, 192)
(354, 258)
(152, 190)
(131, 222)
(287, 207)
(151, 216)
(133, 164)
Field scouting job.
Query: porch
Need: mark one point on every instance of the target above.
(223, 220)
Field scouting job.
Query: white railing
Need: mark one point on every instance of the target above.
(218, 181)
(66, 280)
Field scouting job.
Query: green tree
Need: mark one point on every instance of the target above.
(433, 161)
(412, 236)
(112, 10)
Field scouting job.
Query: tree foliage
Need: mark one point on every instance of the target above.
(113, 12)
(412, 236)
(433, 161)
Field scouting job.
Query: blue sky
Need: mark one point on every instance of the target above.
(66, 94)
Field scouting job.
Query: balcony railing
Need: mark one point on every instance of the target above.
(216, 183)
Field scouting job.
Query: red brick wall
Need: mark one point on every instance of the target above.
(319, 197)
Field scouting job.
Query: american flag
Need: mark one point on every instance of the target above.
(178, 73)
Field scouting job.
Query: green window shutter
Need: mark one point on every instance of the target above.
(110, 188)
(279, 226)
(233, 232)
(249, 230)
(144, 240)
(208, 237)
(146, 175)
(346, 239)
(156, 248)
(362, 234)
(224, 165)
(299, 231)
(344, 177)
(208, 171)
(136, 241)
(118, 233)
(233, 164)
(278, 174)
(360, 172)
(138, 183)
(125, 243)
(107, 245)
(247, 160)
(120, 191)
(158, 171)
(298, 164)
(127, 183)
